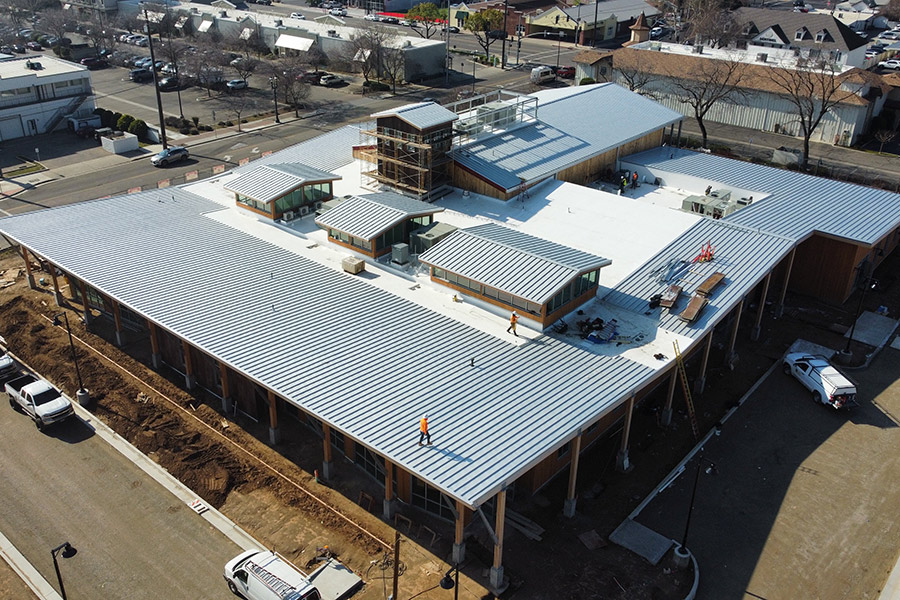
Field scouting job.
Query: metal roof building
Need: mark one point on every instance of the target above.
(328, 152)
(422, 115)
(268, 182)
(370, 215)
(796, 204)
(511, 261)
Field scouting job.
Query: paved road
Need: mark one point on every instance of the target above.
(805, 502)
(134, 539)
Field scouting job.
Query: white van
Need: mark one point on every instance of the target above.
(542, 75)
(265, 575)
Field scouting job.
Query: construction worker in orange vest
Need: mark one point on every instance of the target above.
(513, 319)
(423, 430)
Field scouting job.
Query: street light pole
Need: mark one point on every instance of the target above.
(273, 81)
(447, 583)
(862, 297)
(68, 551)
(81, 394)
(558, 47)
(473, 76)
(162, 122)
(505, 34)
(687, 525)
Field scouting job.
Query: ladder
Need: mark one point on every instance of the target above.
(279, 586)
(679, 362)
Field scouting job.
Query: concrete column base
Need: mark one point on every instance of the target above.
(83, 397)
(31, 281)
(155, 360)
(569, 507)
(498, 583)
(731, 359)
(59, 298)
(459, 553)
(227, 406)
(699, 385)
(682, 556)
(754, 334)
(86, 315)
(388, 509)
(326, 469)
(779, 311)
(665, 417)
(274, 435)
(623, 465)
(118, 338)
(190, 382)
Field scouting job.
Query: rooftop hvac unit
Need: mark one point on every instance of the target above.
(319, 205)
(423, 239)
(762, 57)
(469, 127)
(400, 254)
(288, 216)
(304, 210)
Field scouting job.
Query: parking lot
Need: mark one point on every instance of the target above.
(803, 501)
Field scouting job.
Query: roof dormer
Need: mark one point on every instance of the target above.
(801, 34)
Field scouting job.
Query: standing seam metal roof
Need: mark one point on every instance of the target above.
(798, 204)
(743, 254)
(328, 152)
(511, 261)
(370, 215)
(421, 114)
(371, 366)
(268, 182)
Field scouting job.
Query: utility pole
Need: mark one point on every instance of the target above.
(396, 563)
(594, 33)
(162, 121)
(505, 34)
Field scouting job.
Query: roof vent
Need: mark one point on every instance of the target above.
(762, 57)
(279, 23)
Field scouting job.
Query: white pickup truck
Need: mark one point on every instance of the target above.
(39, 400)
(827, 384)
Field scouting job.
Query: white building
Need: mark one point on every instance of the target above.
(37, 94)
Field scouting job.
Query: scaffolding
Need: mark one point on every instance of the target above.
(414, 163)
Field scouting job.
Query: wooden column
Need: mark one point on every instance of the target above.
(57, 294)
(326, 451)
(28, 268)
(700, 383)
(459, 544)
(569, 506)
(730, 354)
(227, 402)
(761, 307)
(189, 379)
(779, 308)
(117, 315)
(388, 489)
(497, 583)
(274, 432)
(84, 302)
(623, 465)
(154, 344)
(665, 419)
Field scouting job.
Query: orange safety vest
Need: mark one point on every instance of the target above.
(423, 425)
(513, 319)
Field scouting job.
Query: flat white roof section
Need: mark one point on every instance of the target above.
(511, 261)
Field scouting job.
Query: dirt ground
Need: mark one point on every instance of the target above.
(272, 494)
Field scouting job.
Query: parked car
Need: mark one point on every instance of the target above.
(169, 156)
(140, 75)
(39, 400)
(18, 48)
(144, 63)
(371, 17)
(298, 16)
(330, 80)
(312, 77)
(249, 575)
(889, 35)
(236, 84)
(566, 72)
(34, 46)
(452, 28)
(94, 62)
(168, 84)
(890, 64)
(391, 20)
(827, 384)
(8, 366)
(338, 12)
(264, 2)
(169, 69)
(6, 49)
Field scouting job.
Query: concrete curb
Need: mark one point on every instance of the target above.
(26, 571)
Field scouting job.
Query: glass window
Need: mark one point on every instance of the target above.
(337, 440)
(370, 462)
(428, 498)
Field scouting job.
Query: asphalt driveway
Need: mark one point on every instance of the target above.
(804, 501)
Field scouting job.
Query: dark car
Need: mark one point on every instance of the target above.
(566, 72)
(391, 20)
(140, 75)
(18, 48)
(93, 62)
(452, 28)
(168, 84)
(169, 155)
(312, 77)
(497, 34)
(34, 46)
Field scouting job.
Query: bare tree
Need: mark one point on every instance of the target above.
(245, 66)
(205, 65)
(884, 136)
(240, 101)
(288, 73)
(99, 36)
(54, 22)
(709, 22)
(891, 10)
(316, 58)
(367, 48)
(632, 70)
(707, 82)
(32, 7)
(394, 64)
(814, 89)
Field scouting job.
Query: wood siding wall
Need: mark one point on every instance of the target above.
(825, 267)
(596, 168)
